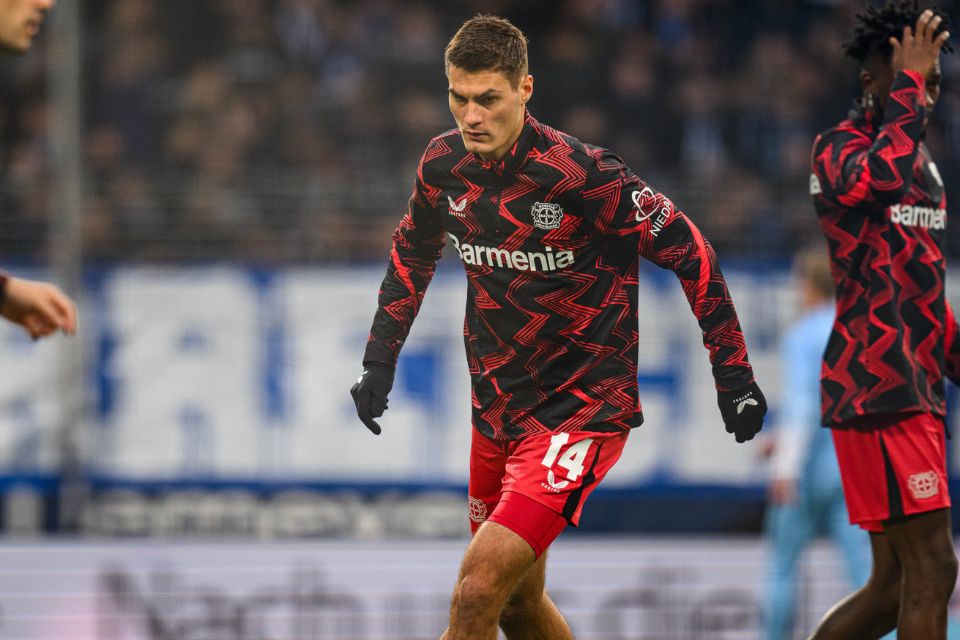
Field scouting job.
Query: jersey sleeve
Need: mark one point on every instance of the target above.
(623, 206)
(951, 347)
(852, 169)
(417, 244)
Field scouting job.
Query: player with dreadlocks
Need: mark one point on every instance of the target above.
(881, 204)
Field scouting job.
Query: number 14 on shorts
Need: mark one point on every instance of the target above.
(571, 459)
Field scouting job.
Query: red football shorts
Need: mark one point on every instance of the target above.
(535, 486)
(892, 465)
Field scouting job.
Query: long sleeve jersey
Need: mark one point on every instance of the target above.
(550, 238)
(881, 204)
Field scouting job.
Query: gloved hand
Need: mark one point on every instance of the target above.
(370, 393)
(743, 410)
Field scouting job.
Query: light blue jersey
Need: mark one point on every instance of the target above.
(802, 355)
(804, 454)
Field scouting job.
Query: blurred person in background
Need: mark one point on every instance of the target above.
(39, 307)
(550, 232)
(805, 494)
(881, 204)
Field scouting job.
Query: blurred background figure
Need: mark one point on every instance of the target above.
(805, 494)
(38, 307)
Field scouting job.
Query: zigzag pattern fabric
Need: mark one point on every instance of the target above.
(881, 203)
(550, 238)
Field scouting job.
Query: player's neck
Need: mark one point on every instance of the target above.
(498, 154)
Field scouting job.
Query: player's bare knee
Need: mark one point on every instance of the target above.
(474, 592)
(943, 575)
(930, 582)
(936, 566)
(948, 569)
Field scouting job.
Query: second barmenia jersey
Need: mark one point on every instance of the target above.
(880, 201)
(550, 238)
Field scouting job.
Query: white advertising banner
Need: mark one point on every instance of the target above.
(426, 430)
(186, 365)
(224, 372)
(609, 589)
(215, 373)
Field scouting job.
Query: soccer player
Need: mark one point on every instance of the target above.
(550, 232)
(39, 307)
(805, 494)
(881, 204)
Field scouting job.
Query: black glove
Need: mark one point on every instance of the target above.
(370, 393)
(743, 410)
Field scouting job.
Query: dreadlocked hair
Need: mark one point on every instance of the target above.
(877, 25)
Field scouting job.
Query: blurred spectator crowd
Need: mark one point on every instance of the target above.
(273, 131)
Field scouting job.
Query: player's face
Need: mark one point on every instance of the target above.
(488, 109)
(20, 21)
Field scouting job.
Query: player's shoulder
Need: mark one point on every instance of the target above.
(844, 132)
(582, 152)
(593, 158)
(441, 150)
(449, 138)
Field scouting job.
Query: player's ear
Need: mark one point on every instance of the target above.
(526, 89)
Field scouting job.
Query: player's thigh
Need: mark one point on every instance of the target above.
(561, 470)
(496, 560)
(531, 586)
(923, 544)
(885, 569)
(892, 465)
(853, 543)
(915, 454)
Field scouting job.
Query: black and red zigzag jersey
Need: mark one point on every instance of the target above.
(550, 238)
(881, 204)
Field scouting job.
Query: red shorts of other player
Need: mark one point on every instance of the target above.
(892, 465)
(536, 485)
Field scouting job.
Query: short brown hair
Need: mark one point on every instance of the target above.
(813, 265)
(485, 43)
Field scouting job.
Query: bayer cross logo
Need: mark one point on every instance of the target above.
(546, 215)
(924, 485)
(478, 510)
